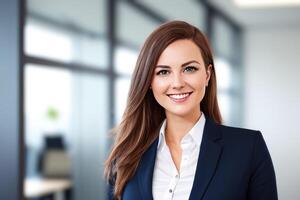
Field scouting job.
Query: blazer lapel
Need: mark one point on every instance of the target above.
(145, 171)
(209, 155)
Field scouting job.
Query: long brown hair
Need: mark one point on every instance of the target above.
(143, 115)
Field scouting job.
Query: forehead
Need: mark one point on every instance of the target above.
(180, 52)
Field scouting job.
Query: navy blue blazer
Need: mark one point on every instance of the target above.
(233, 164)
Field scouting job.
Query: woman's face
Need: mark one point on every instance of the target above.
(180, 78)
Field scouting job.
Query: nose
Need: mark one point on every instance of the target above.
(178, 82)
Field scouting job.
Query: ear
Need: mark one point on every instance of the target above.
(208, 73)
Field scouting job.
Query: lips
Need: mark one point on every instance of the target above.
(179, 98)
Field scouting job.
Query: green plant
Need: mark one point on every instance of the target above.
(52, 114)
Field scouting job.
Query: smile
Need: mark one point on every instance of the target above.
(179, 98)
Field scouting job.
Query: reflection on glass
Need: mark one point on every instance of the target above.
(223, 38)
(51, 42)
(223, 73)
(224, 100)
(121, 93)
(133, 25)
(189, 10)
(89, 132)
(46, 42)
(91, 51)
(69, 31)
(125, 60)
(89, 16)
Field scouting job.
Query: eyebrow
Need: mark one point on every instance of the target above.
(184, 64)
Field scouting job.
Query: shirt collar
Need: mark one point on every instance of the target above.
(195, 133)
(162, 140)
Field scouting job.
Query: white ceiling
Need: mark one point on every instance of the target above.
(260, 17)
(88, 16)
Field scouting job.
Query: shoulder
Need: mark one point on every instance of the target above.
(245, 151)
(244, 144)
(241, 134)
(242, 139)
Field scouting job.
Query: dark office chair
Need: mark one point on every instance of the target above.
(54, 160)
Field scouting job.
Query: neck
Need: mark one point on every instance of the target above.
(177, 127)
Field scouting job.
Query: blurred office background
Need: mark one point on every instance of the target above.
(78, 57)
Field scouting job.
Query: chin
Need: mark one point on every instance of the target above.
(180, 113)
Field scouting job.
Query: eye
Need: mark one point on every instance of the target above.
(162, 72)
(190, 69)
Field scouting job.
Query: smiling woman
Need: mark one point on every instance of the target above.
(171, 143)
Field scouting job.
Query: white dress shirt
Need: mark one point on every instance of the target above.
(168, 183)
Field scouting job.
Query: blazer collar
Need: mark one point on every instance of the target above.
(145, 171)
(209, 155)
(210, 152)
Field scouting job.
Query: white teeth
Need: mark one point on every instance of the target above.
(179, 96)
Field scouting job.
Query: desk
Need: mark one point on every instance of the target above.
(41, 187)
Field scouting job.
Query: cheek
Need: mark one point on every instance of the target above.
(198, 83)
(159, 86)
(199, 86)
(159, 89)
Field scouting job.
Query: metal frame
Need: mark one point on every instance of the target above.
(111, 27)
(22, 154)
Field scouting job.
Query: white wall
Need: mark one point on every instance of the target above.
(272, 99)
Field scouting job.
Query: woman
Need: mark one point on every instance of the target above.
(170, 143)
